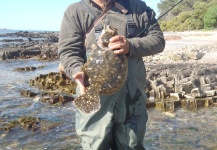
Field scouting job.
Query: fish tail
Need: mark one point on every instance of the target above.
(88, 103)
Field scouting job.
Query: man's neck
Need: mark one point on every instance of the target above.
(102, 3)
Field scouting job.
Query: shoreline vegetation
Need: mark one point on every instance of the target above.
(189, 15)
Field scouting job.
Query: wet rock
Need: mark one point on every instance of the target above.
(44, 46)
(28, 93)
(55, 82)
(24, 122)
(15, 53)
(30, 68)
(49, 52)
(25, 68)
(208, 102)
(187, 104)
(30, 52)
(57, 99)
(28, 123)
(9, 53)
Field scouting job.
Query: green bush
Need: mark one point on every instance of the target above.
(163, 25)
(183, 16)
(198, 14)
(210, 18)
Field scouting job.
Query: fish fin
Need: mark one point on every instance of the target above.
(88, 103)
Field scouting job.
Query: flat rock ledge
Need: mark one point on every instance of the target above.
(43, 46)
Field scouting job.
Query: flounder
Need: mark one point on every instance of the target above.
(105, 72)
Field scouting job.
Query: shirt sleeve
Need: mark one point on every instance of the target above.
(70, 47)
(151, 41)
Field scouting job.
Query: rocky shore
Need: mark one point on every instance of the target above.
(184, 75)
(42, 45)
(187, 47)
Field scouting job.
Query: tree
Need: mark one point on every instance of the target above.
(210, 18)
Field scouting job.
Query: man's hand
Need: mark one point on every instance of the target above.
(119, 44)
(79, 79)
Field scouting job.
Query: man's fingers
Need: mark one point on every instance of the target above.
(78, 75)
(121, 51)
(119, 45)
(79, 79)
(82, 89)
(116, 38)
(81, 86)
(115, 46)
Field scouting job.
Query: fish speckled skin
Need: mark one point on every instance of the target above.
(106, 73)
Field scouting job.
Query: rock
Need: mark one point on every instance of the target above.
(195, 55)
(54, 82)
(197, 93)
(166, 106)
(9, 53)
(25, 68)
(189, 104)
(49, 51)
(57, 99)
(24, 122)
(12, 40)
(28, 52)
(208, 102)
(45, 46)
(28, 93)
(152, 94)
(210, 93)
(188, 96)
(177, 82)
(207, 87)
(199, 55)
(175, 96)
(187, 87)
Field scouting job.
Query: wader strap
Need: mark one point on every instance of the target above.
(121, 8)
(95, 26)
(131, 26)
(130, 22)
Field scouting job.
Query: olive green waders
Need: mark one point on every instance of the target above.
(121, 121)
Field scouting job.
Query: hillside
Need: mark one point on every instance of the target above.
(188, 15)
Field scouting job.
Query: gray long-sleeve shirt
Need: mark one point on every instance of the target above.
(76, 22)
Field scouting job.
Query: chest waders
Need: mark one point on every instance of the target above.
(121, 122)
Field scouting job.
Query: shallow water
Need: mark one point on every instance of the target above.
(12, 106)
(182, 130)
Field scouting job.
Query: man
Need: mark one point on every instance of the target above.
(121, 121)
